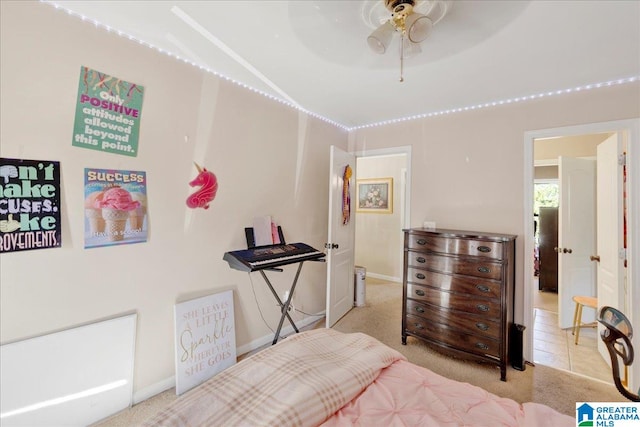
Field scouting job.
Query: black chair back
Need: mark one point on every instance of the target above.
(617, 337)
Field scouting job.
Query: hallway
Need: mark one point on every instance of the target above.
(555, 347)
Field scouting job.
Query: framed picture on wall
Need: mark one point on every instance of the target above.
(375, 195)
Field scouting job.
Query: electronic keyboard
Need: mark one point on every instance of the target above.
(271, 256)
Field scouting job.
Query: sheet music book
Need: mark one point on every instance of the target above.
(262, 230)
(275, 234)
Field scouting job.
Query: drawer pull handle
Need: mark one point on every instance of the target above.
(421, 242)
(421, 276)
(420, 292)
(418, 326)
(482, 346)
(484, 269)
(484, 249)
(482, 288)
(482, 326)
(482, 307)
(421, 260)
(420, 309)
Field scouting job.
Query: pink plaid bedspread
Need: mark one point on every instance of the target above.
(326, 377)
(408, 395)
(301, 381)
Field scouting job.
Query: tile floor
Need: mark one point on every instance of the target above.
(555, 347)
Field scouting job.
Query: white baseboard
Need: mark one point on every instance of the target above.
(152, 390)
(166, 384)
(384, 277)
(259, 342)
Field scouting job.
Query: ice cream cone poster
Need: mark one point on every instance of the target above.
(115, 207)
(29, 205)
(107, 113)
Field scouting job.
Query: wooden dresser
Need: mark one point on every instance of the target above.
(458, 292)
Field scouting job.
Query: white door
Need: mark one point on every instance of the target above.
(341, 238)
(576, 236)
(610, 232)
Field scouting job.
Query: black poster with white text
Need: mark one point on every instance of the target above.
(29, 205)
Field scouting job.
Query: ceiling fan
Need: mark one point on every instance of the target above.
(407, 20)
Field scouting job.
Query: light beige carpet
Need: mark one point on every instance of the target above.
(381, 318)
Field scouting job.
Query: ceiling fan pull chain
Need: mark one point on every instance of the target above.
(401, 57)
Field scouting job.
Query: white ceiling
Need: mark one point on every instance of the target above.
(314, 54)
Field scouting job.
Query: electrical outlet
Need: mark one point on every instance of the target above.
(284, 301)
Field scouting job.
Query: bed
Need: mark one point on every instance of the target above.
(323, 377)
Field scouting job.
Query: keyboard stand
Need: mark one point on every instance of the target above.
(283, 306)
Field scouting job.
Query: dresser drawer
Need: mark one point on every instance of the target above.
(472, 324)
(447, 282)
(452, 245)
(473, 343)
(449, 264)
(458, 292)
(489, 308)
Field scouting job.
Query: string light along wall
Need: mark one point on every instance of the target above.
(496, 103)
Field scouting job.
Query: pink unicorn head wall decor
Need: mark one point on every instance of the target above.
(208, 188)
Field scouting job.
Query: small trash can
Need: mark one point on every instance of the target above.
(516, 343)
(360, 287)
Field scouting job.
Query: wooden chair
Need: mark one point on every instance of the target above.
(582, 301)
(617, 337)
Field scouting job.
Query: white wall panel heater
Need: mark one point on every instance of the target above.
(74, 377)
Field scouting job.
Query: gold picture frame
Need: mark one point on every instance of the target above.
(374, 195)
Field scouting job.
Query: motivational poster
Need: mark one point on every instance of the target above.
(205, 339)
(29, 205)
(115, 207)
(107, 113)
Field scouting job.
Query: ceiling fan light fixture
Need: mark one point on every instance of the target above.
(379, 39)
(412, 26)
(418, 27)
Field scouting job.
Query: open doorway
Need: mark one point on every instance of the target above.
(391, 170)
(553, 341)
(629, 131)
(379, 238)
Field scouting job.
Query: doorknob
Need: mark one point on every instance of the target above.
(595, 258)
(557, 249)
(567, 251)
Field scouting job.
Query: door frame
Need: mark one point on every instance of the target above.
(406, 184)
(631, 129)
